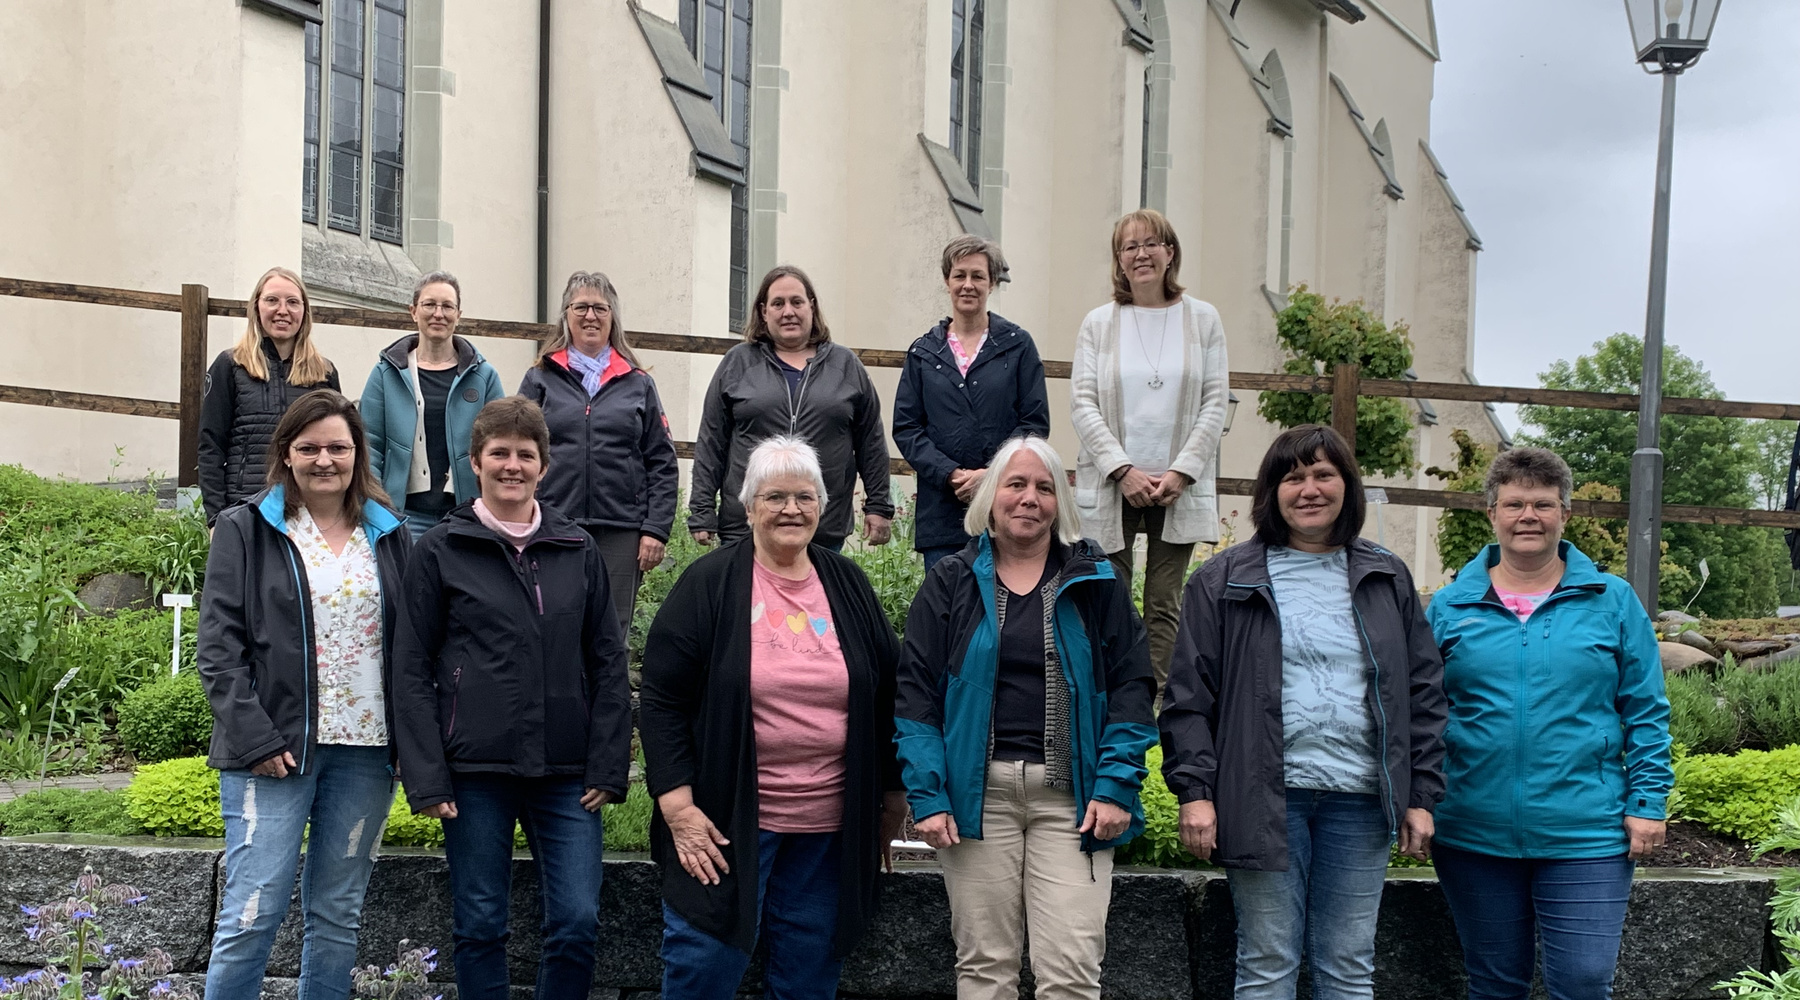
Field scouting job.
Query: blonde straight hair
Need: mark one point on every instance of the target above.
(309, 366)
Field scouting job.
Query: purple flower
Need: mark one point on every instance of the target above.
(33, 932)
(30, 911)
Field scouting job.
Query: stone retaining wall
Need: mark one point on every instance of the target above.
(1170, 933)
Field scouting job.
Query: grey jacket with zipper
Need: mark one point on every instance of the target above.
(1221, 716)
(836, 410)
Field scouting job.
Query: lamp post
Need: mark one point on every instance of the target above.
(1668, 36)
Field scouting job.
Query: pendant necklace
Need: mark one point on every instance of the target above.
(1156, 380)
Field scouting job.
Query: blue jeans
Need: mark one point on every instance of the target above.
(566, 842)
(418, 523)
(1325, 903)
(1505, 906)
(934, 553)
(344, 795)
(797, 896)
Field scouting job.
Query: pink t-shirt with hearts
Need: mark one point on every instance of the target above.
(799, 703)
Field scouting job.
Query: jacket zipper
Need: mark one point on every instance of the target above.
(311, 662)
(1388, 805)
(798, 399)
(455, 698)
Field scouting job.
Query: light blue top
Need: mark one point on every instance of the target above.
(1328, 733)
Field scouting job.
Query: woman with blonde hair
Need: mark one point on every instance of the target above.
(612, 461)
(1150, 385)
(249, 387)
(1022, 719)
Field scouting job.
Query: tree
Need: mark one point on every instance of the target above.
(1774, 444)
(1320, 336)
(1710, 461)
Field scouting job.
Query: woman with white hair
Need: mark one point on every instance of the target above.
(767, 727)
(1023, 717)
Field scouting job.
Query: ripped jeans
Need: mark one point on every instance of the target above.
(344, 794)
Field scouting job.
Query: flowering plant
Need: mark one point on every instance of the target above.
(401, 979)
(79, 961)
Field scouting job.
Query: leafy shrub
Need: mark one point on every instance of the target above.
(405, 829)
(68, 810)
(894, 570)
(628, 822)
(1752, 983)
(122, 652)
(167, 718)
(1160, 843)
(1700, 718)
(1767, 702)
(1739, 795)
(176, 798)
(657, 583)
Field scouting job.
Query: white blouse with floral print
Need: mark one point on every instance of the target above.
(346, 609)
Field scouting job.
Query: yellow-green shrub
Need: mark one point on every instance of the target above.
(176, 798)
(1740, 795)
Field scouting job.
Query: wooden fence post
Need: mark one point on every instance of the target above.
(194, 303)
(1346, 381)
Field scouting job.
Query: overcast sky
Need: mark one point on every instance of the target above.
(1548, 131)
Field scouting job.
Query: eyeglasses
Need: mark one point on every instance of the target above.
(334, 450)
(429, 306)
(1148, 246)
(590, 309)
(1517, 508)
(777, 500)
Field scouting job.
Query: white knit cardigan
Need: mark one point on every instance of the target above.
(1097, 408)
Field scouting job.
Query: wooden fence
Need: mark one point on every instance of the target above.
(195, 303)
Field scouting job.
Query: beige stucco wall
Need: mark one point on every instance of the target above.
(149, 172)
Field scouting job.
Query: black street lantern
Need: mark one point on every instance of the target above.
(1670, 34)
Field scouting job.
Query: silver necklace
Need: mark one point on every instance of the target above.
(1156, 380)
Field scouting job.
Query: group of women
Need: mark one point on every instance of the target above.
(435, 586)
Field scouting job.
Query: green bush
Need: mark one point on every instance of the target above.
(1738, 795)
(176, 798)
(657, 583)
(894, 570)
(1700, 717)
(1160, 843)
(167, 718)
(1783, 984)
(67, 810)
(628, 822)
(1767, 702)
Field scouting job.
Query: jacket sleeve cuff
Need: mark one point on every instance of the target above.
(1115, 791)
(1644, 805)
(924, 805)
(656, 531)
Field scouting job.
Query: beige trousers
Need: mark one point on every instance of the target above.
(1027, 875)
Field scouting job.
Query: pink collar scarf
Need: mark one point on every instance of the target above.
(516, 532)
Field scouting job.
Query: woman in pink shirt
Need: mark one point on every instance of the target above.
(767, 726)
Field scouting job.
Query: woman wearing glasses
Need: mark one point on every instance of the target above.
(1150, 385)
(296, 630)
(1558, 769)
(789, 378)
(421, 400)
(612, 461)
(767, 724)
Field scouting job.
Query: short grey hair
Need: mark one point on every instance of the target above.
(776, 458)
(1530, 467)
(438, 278)
(981, 506)
(967, 244)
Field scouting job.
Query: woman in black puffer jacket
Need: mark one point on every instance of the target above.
(249, 387)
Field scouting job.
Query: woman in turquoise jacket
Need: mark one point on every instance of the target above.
(1558, 766)
(419, 404)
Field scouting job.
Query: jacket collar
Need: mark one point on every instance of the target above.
(1250, 571)
(1082, 562)
(553, 526)
(396, 353)
(616, 365)
(271, 504)
(1473, 584)
(1002, 336)
(820, 350)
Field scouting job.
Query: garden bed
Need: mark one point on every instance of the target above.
(1691, 845)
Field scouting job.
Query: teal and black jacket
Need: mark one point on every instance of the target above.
(944, 710)
(1559, 726)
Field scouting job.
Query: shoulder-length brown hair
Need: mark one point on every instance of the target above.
(756, 330)
(1159, 227)
(1304, 445)
(323, 404)
(615, 337)
(309, 366)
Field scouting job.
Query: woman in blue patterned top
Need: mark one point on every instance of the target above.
(1303, 723)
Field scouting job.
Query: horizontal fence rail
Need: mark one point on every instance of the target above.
(195, 304)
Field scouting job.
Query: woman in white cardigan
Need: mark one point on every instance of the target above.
(1150, 384)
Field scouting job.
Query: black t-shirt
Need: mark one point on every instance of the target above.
(1019, 680)
(434, 386)
(793, 376)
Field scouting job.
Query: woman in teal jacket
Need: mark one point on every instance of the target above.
(1022, 732)
(1558, 741)
(419, 404)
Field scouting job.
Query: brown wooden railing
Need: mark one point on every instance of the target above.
(195, 303)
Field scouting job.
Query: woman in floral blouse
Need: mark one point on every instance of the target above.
(301, 590)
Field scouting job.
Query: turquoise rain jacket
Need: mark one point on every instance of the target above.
(390, 415)
(944, 710)
(1559, 727)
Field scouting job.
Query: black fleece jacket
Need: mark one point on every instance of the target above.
(509, 662)
(238, 415)
(696, 730)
